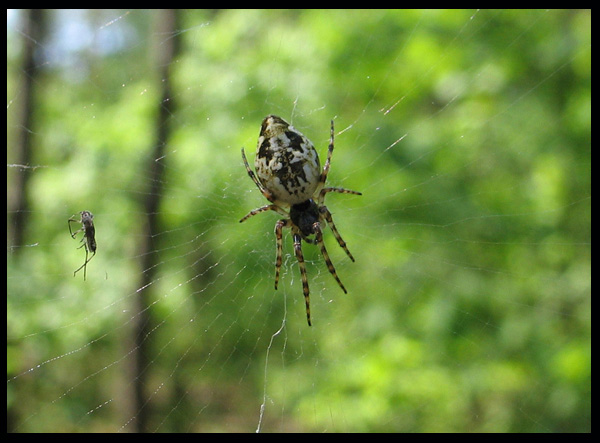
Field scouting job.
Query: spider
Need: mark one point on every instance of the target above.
(290, 176)
(88, 239)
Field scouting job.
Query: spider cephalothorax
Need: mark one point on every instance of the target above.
(290, 176)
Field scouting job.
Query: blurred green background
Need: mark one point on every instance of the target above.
(469, 304)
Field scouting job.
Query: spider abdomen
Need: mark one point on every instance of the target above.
(286, 162)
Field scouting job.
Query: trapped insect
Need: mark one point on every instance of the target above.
(88, 239)
(290, 177)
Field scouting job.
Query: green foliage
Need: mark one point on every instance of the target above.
(469, 308)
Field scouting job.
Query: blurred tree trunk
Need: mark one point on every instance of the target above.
(165, 50)
(32, 34)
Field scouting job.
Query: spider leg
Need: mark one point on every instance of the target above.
(258, 184)
(324, 191)
(327, 216)
(325, 172)
(300, 258)
(263, 209)
(279, 240)
(327, 165)
(330, 267)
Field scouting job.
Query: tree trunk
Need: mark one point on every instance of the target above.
(18, 206)
(165, 52)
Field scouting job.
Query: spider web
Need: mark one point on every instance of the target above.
(468, 306)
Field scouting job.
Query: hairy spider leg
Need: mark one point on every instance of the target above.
(259, 185)
(330, 267)
(264, 192)
(300, 258)
(327, 216)
(324, 191)
(327, 165)
(263, 209)
(320, 199)
(279, 240)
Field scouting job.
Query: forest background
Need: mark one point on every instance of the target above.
(469, 304)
